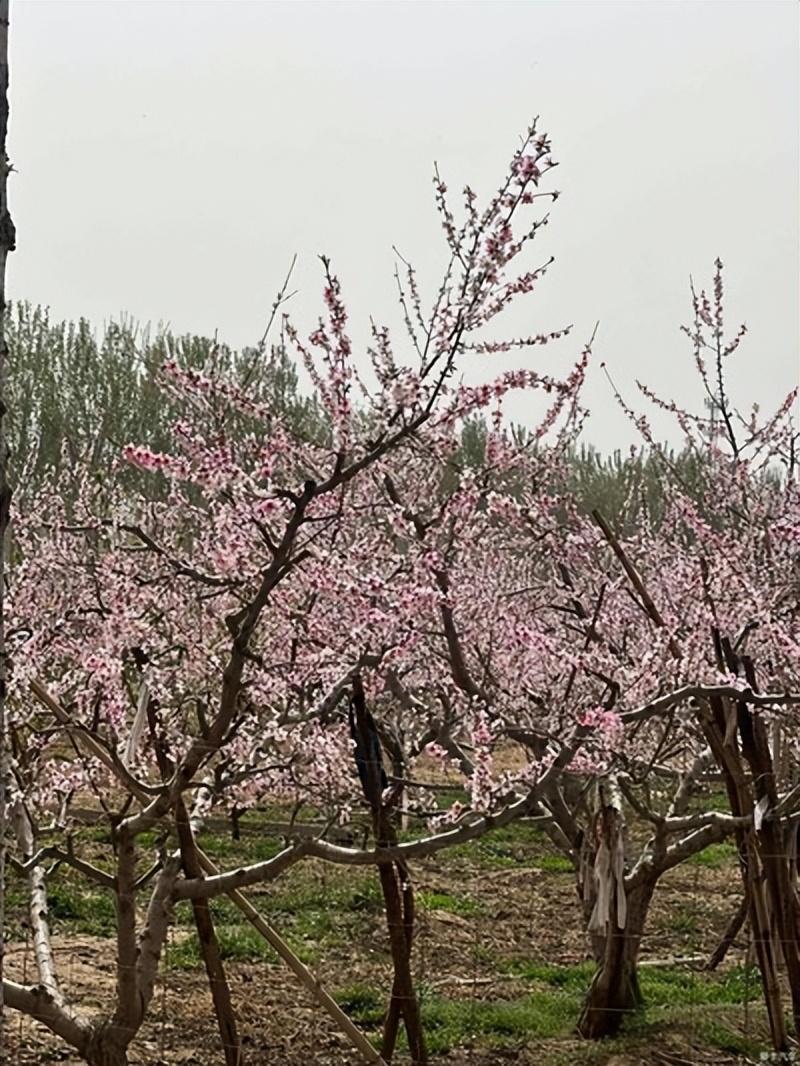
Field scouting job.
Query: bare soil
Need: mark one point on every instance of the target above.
(522, 912)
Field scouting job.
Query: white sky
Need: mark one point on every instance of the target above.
(173, 156)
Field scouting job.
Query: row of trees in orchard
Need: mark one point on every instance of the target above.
(303, 601)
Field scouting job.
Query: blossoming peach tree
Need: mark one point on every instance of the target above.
(301, 603)
(190, 652)
(640, 663)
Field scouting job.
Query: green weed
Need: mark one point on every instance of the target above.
(715, 856)
(445, 901)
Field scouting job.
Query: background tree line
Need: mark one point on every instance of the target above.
(79, 395)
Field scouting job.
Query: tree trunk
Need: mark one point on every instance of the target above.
(104, 1050)
(723, 742)
(109, 1055)
(773, 853)
(615, 915)
(403, 1001)
(395, 884)
(614, 992)
(7, 244)
(209, 945)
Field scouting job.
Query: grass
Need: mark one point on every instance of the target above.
(555, 864)
(681, 920)
(552, 1006)
(662, 987)
(512, 845)
(74, 906)
(717, 1034)
(445, 901)
(363, 1003)
(238, 943)
(573, 979)
(447, 797)
(713, 801)
(451, 1023)
(247, 849)
(715, 856)
(323, 911)
(312, 913)
(84, 910)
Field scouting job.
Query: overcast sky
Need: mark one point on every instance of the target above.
(173, 156)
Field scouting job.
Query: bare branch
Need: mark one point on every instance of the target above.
(38, 907)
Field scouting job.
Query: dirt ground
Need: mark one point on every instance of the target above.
(522, 911)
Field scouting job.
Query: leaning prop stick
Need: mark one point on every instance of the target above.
(93, 747)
